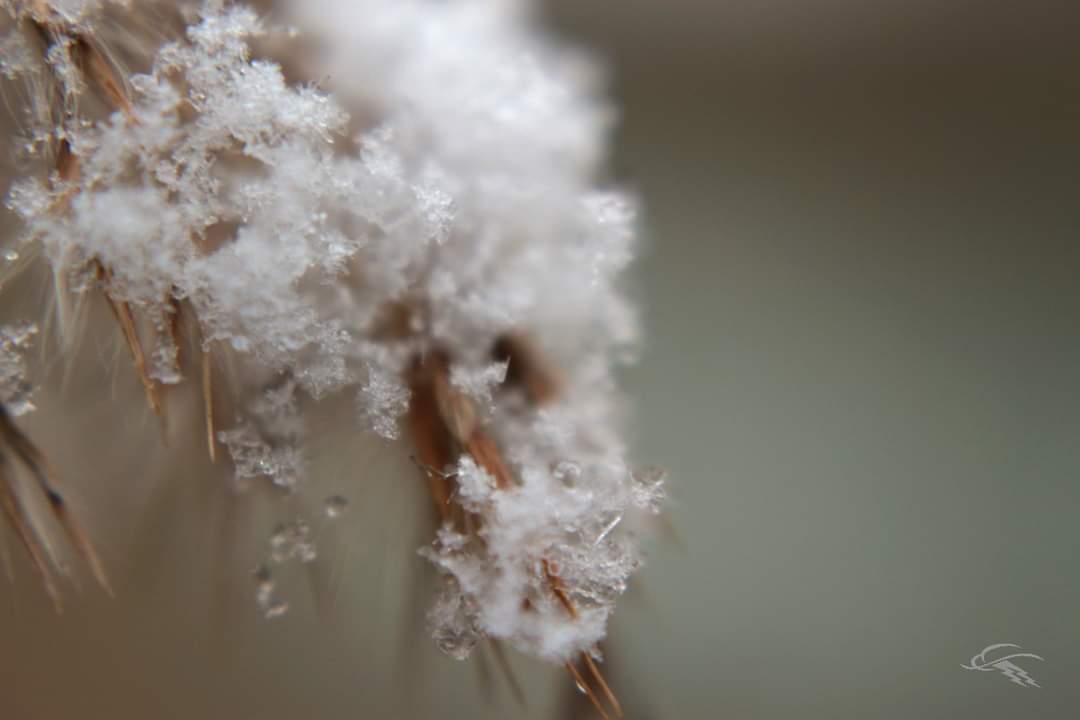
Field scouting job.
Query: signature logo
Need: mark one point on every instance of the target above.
(994, 657)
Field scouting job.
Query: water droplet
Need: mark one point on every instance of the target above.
(11, 256)
(581, 687)
(335, 506)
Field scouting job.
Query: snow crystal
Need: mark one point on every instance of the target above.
(15, 388)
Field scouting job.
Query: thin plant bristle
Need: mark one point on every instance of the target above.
(124, 318)
(508, 672)
(96, 67)
(429, 435)
(36, 463)
(587, 689)
(90, 59)
(604, 687)
(93, 65)
(28, 538)
(208, 403)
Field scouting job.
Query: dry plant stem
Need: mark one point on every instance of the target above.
(12, 438)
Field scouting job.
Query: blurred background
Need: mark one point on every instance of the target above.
(861, 303)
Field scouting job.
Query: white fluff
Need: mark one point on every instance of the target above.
(470, 198)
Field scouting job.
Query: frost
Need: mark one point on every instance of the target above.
(383, 399)
(268, 443)
(475, 486)
(15, 389)
(292, 541)
(266, 597)
(648, 488)
(16, 55)
(479, 382)
(452, 621)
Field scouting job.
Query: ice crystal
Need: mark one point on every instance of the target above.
(15, 388)
(266, 596)
(292, 541)
(451, 621)
(268, 443)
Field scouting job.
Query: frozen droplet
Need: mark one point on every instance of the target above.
(335, 506)
(240, 343)
(279, 541)
(11, 256)
(269, 603)
(276, 609)
(292, 540)
(264, 583)
(567, 471)
(581, 687)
